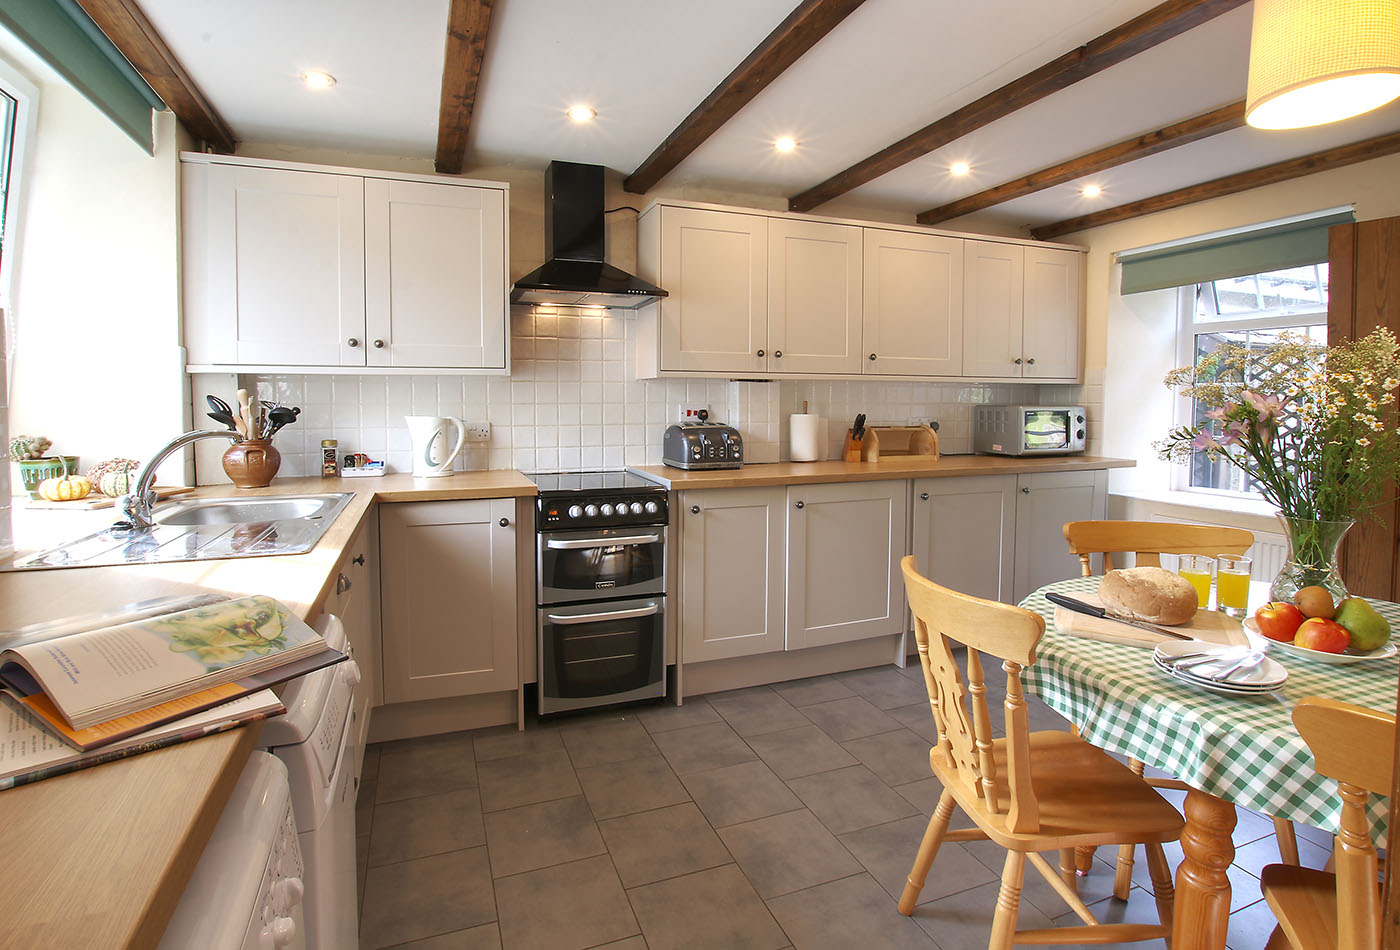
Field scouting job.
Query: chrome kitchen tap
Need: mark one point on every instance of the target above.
(137, 505)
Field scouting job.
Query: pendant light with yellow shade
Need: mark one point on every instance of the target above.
(1317, 61)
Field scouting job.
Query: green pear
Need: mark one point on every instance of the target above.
(1368, 629)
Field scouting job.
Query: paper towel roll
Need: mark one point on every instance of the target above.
(805, 435)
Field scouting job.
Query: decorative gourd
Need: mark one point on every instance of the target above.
(117, 483)
(67, 488)
(99, 473)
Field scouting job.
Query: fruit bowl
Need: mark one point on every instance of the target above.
(1331, 659)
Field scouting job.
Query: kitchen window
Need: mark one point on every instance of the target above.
(1253, 311)
(19, 102)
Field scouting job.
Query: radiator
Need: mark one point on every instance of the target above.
(1269, 550)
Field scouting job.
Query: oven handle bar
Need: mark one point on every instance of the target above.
(576, 544)
(646, 611)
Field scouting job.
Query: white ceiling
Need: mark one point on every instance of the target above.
(890, 68)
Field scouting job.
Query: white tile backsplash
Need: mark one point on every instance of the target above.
(572, 401)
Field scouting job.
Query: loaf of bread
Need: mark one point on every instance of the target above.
(1148, 593)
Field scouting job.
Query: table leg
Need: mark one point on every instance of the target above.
(1202, 911)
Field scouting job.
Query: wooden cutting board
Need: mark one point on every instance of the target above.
(1209, 625)
(96, 500)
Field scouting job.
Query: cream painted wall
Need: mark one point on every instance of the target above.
(1132, 339)
(97, 362)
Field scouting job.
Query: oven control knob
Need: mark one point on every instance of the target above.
(350, 671)
(575, 511)
(652, 508)
(607, 510)
(1080, 434)
(1079, 419)
(590, 510)
(636, 507)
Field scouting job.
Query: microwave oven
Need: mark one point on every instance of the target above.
(1028, 430)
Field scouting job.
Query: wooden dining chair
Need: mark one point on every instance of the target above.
(1030, 791)
(1319, 910)
(1148, 541)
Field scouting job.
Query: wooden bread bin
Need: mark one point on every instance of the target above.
(894, 441)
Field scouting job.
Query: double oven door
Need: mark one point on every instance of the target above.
(602, 616)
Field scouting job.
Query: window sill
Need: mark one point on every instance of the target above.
(1191, 499)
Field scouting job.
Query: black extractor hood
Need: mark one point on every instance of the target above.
(574, 273)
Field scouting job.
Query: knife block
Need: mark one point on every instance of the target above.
(851, 452)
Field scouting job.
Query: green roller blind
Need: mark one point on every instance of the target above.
(1251, 252)
(64, 36)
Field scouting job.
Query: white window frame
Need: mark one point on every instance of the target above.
(25, 93)
(1187, 330)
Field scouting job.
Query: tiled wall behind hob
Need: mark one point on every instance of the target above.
(572, 402)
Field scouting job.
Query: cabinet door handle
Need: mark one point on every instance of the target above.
(1018, 361)
(342, 584)
(801, 505)
(777, 354)
(694, 509)
(1031, 361)
(1025, 491)
(872, 357)
(358, 559)
(352, 342)
(379, 344)
(760, 353)
(505, 522)
(923, 496)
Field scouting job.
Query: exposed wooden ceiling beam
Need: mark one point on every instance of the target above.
(129, 30)
(467, 24)
(802, 29)
(1181, 133)
(1156, 26)
(1229, 185)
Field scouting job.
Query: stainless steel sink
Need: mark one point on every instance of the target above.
(203, 529)
(247, 510)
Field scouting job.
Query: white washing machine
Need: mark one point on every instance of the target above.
(246, 891)
(320, 742)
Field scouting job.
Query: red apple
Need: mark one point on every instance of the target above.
(1279, 621)
(1325, 636)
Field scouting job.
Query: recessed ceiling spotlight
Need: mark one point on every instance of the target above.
(316, 79)
(785, 144)
(960, 168)
(1092, 191)
(582, 114)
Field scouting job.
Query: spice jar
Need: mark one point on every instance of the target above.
(330, 461)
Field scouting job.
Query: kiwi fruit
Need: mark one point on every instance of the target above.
(1315, 602)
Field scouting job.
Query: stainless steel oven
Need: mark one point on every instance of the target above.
(600, 589)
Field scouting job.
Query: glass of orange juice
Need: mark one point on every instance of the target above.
(1232, 584)
(1198, 568)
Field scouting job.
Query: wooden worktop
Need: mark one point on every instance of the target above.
(890, 467)
(99, 858)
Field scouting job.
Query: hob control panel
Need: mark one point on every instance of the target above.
(604, 511)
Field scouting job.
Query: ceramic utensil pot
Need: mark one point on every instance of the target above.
(432, 455)
(252, 463)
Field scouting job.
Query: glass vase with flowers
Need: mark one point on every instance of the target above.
(1314, 429)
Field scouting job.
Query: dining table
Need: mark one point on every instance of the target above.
(1230, 750)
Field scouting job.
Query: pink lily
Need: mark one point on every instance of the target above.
(1268, 407)
(1220, 414)
(1234, 434)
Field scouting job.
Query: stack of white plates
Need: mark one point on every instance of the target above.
(1233, 670)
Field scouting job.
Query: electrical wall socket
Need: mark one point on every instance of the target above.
(690, 411)
(478, 432)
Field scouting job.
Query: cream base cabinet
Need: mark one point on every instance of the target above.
(448, 591)
(435, 275)
(965, 533)
(1044, 502)
(1054, 313)
(732, 557)
(814, 297)
(273, 268)
(844, 544)
(714, 266)
(913, 314)
(355, 600)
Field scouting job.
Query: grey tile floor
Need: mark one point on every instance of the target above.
(764, 818)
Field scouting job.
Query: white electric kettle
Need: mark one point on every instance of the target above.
(431, 456)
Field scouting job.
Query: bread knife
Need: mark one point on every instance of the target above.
(1083, 607)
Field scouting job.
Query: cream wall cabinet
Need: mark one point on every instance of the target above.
(845, 542)
(814, 297)
(964, 533)
(1023, 310)
(733, 554)
(313, 267)
(913, 323)
(1044, 502)
(448, 598)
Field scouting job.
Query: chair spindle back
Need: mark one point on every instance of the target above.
(1149, 540)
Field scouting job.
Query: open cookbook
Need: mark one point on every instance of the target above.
(98, 686)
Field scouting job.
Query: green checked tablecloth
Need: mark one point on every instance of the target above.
(1244, 750)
